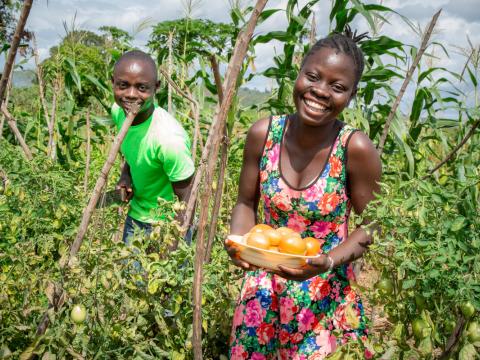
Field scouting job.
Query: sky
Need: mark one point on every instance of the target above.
(459, 18)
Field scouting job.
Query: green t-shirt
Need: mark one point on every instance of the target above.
(158, 153)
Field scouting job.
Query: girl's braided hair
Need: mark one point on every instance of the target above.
(346, 43)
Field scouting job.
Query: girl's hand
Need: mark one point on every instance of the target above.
(234, 253)
(315, 266)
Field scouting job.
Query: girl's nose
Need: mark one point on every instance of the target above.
(320, 89)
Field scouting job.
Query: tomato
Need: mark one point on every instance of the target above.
(258, 240)
(473, 332)
(56, 224)
(385, 286)
(420, 328)
(78, 313)
(2, 189)
(285, 231)
(467, 309)
(292, 245)
(313, 246)
(274, 236)
(260, 228)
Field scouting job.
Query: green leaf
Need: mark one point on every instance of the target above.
(472, 77)
(467, 352)
(458, 224)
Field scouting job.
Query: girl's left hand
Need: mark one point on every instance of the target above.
(316, 266)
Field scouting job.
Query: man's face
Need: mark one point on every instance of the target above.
(134, 81)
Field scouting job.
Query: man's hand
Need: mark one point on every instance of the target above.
(124, 188)
(315, 266)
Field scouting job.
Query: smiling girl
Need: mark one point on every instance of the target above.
(309, 169)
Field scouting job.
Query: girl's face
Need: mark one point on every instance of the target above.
(324, 86)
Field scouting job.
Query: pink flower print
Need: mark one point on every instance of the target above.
(305, 320)
(238, 353)
(278, 284)
(342, 231)
(335, 166)
(281, 201)
(328, 203)
(287, 190)
(265, 333)
(238, 316)
(257, 356)
(254, 314)
(318, 327)
(350, 274)
(273, 156)
(287, 310)
(298, 223)
(314, 192)
(263, 176)
(317, 356)
(327, 342)
(318, 288)
(320, 229)
(368, 354)
(249, 289)
(268, 144)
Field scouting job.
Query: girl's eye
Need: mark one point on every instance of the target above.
(338, 88)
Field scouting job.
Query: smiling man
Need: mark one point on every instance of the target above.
(156, 148)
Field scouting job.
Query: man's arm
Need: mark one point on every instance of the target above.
(124, 185)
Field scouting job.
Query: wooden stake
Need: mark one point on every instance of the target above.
(88, 211)
(12, 123)
(452, 153)
(41, 88)
(7, 69)
(169, 70)
(210, 153)
(408, 77)
(88, 150)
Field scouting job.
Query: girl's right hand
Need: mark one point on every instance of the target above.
(234, 253)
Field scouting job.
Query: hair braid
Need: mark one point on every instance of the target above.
(346, 43)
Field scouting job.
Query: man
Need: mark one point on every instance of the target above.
(156, 148)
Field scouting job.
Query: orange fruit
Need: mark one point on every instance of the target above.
(287, 232)
(274, 236)
(260, 228)
(273, 248)
(258, 240)
(292, 245)
(313, 246)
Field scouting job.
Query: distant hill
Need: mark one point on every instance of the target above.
(24, 78)
(250, 97)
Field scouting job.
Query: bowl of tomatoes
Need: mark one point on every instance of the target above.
(266, 247)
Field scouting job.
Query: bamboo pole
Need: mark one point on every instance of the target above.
(169, 70)
(452, 153)
(7, 69)
(408, 77)
(88, 211)
(209, 156)
(88, 150)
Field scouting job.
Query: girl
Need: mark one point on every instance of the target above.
(309, 168)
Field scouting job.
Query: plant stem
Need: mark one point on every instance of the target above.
(88, 150)
(408, 77)
(12, 123)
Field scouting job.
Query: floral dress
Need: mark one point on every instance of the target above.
(279, 318)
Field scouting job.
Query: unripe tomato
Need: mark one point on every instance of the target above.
(2, 189)
(473, 332)
(260, 228)
(450, 325)
(313, 246)
(258, 240)
(292, 245)
(467, 309)
(420, 329)
(420, 302)
(78, 313)
(385, 286)
(274, 236)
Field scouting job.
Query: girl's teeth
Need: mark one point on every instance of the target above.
(315, 105)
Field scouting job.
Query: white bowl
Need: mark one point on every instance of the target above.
(267, 259)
